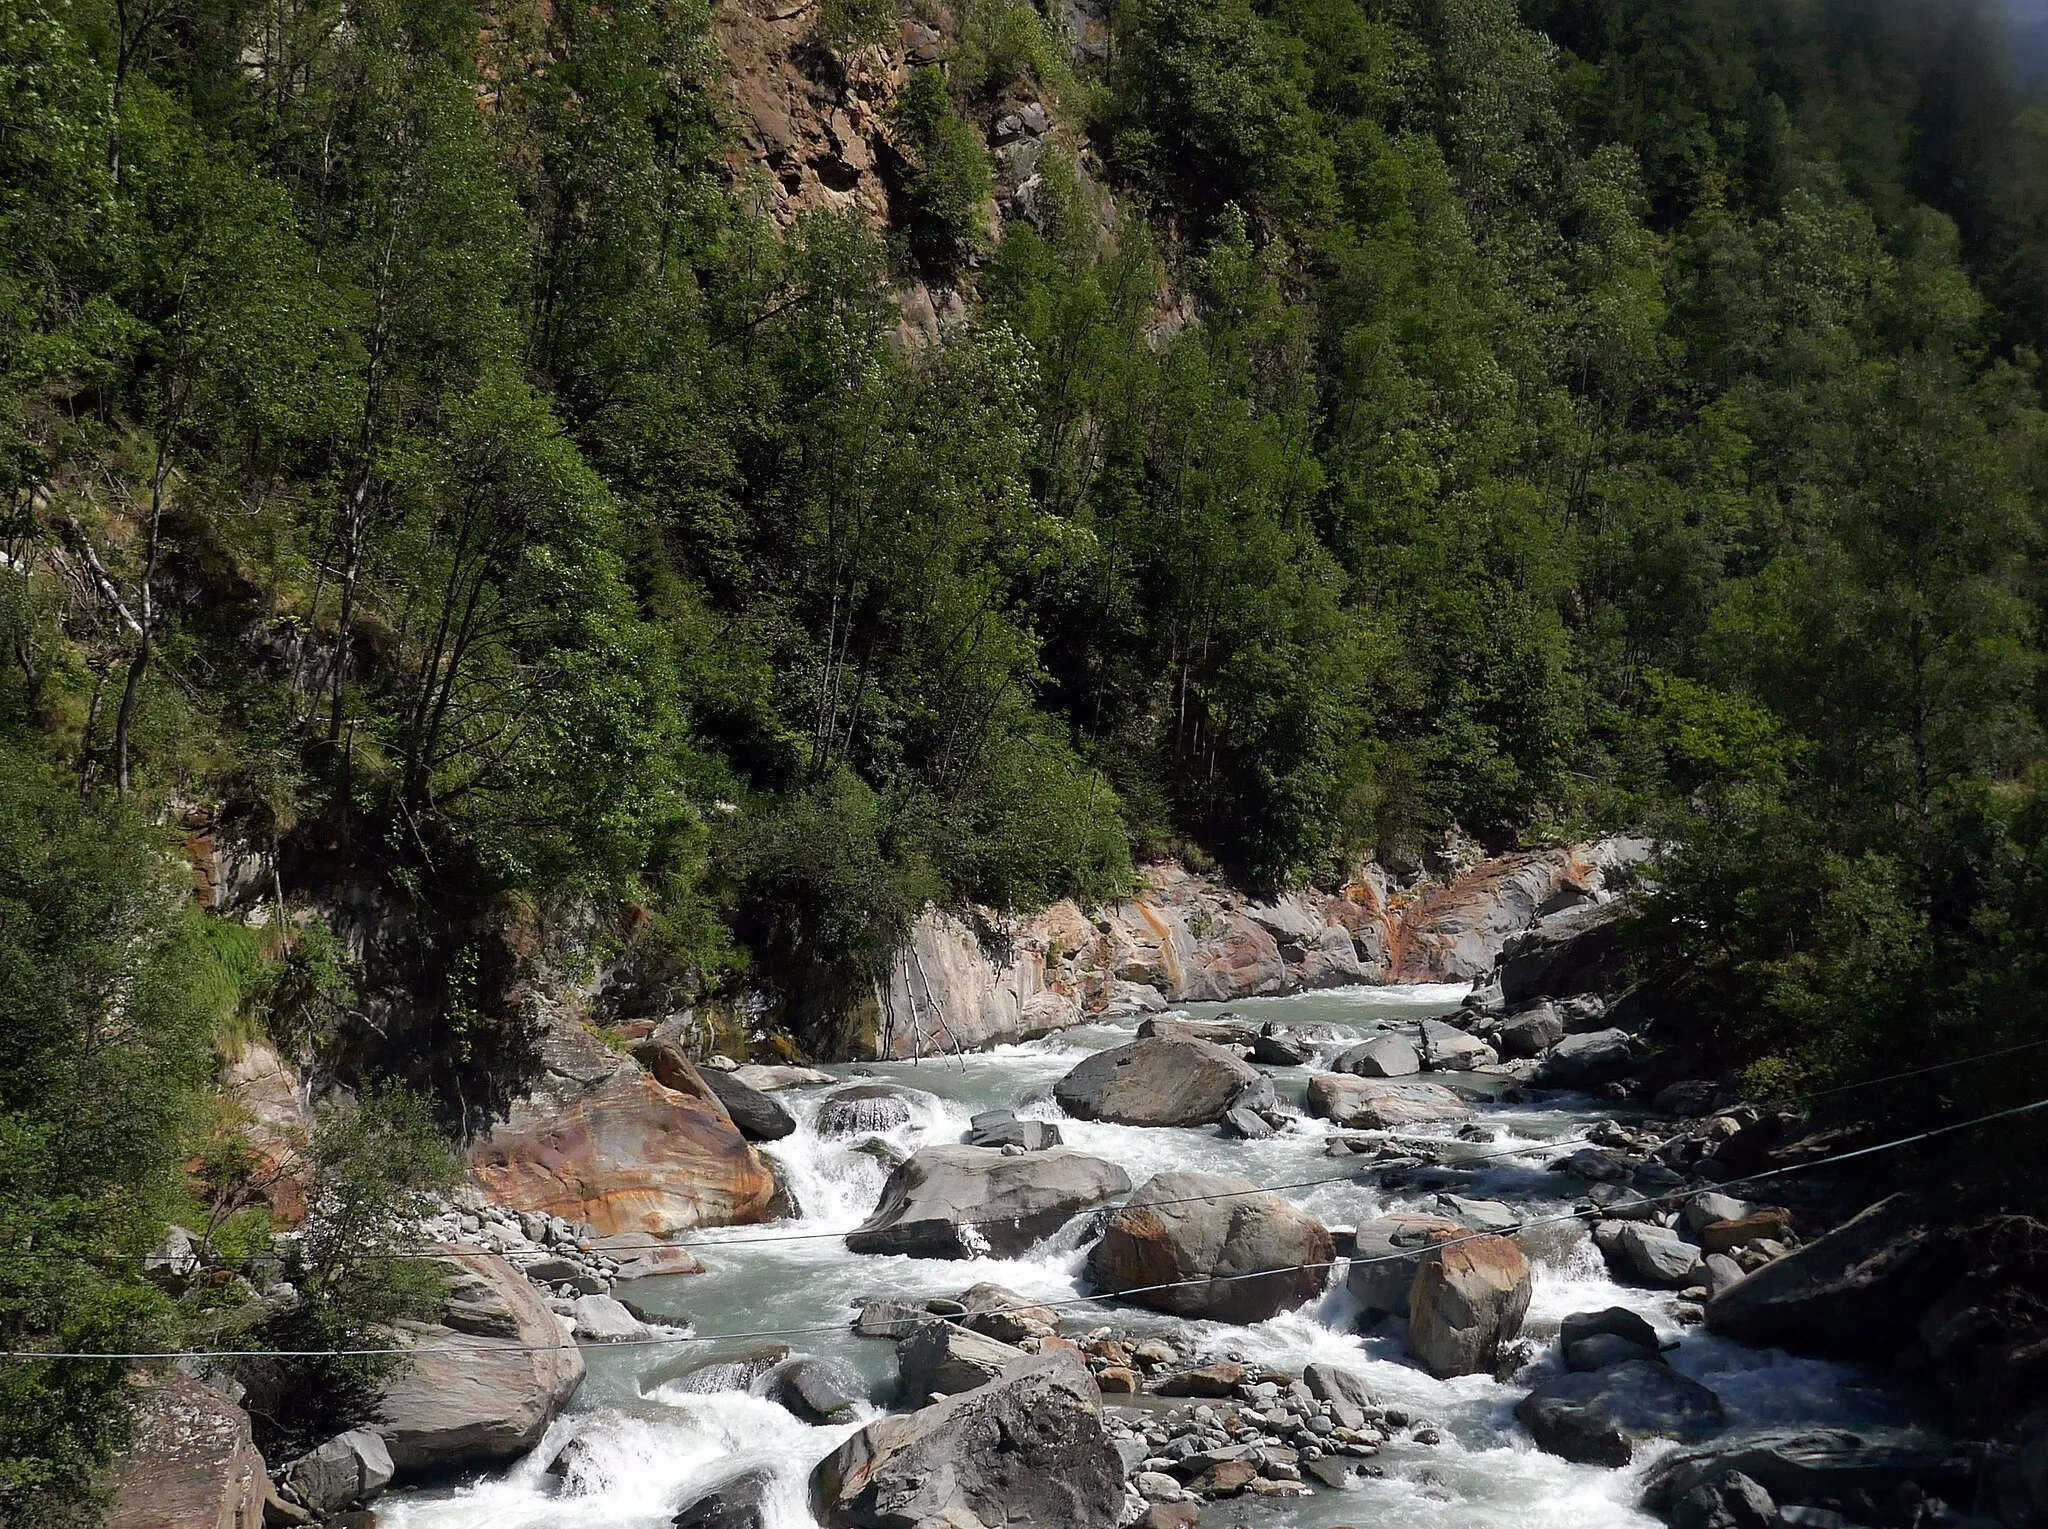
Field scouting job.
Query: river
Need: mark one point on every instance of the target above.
(650, 1446)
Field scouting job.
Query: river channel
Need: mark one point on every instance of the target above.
(651, 1445)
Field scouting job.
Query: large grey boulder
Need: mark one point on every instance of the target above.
(1595, 1417)
(190, 1462)
(1369, 1104)
(864, 1108)
(1793, 1466)
(1854, 1294)
(1027, 1449)
(1645, 1252)
(1587, 1061)
(759, 1117)
(1162, 1081)
(1468, 1299)
(1389, 1253)
(817, 1390)
(1577, 951)
(1002, 1128)
(942, 1357)
(740, 1503)
(1384, 1056)
(1445, 1048)
(1530, 1032)
(1732, 1502)
(969, 1202)
(1219, 1233)
(350, 1468)
(482, 1388)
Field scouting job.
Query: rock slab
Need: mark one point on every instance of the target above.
(1220, 1234)
(968, 1202)
(192, 1464)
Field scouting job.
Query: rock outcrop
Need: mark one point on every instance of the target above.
(601, 1142)
(482, 1387)
(1184, 938)
(1163, 1080)
(968, 1202)
(1221, 1234)
(191, 1464)
(1027, 1449)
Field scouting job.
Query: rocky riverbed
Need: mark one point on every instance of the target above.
(1466, 1221)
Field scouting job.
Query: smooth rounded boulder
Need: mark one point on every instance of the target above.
(864, 1108)
(1370, 1104)
(1026, 1449)
(482, 1389)
(969, 1202)
(1162, 1081)
(1385, 1056)
(1469, 1298)
(1224, 1250)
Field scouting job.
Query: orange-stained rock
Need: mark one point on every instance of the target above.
(277, 1123)
(1469, 1297)
(192, 1464)
(599, 1141)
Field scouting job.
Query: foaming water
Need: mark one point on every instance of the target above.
(640, 1444)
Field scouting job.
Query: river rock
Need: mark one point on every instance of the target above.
(1157, 1082)
(889, 1319)
(1241, 1124)
(1278, 1048)
(865, 1108)
(1773, 1223)
(1806, 1465)
(1220, 1233)
(1480, 1215)
(1233, 1032)
(598, 1141)
(819, 1391)
(740, 1503)
(190, 1464)
(1369, 1104)
(1390, 1251)
(1385, 1056)
(700, 1374)
(1577, 951)
(1339, 1387)
(1002, 1128)
(1617, 1320)
(1006, 1315)
(1732, 1502)
(640, 1255)
(483, 1388)
(769, 1078)
(942, 1357)
(1587, 1061)
(1704, 1210)
(1026, 1449)
(1530, 1033)
(1600, 1350)
(1445, 1048)
(759, 1117)
(1853, 1294)
(1468, 1299)
(600, 1319)
(1594, 1418)
(1646, 1252)
(350, 1468)
(969, 1202)
(1218, 1379)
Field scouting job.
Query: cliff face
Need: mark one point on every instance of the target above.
(1188, 939)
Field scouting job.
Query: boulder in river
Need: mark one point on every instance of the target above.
(1587, 1061)
(1390, 1251)
(1468, 1299)
(482, 1388)
(740, 1503)
(1732, 1502)
(772, 1078)
(864, 1109)
(1232, 1031)
(1446, 1048)
(1002, 1128)
(1370, 1104)
(1595, 1417)
(348, 1469)
(1026, 1449)
(1614, 1321)
(1794, 1465)
(969, 1202)
(700, 1374)
(599, 1141)
(1530, 1032)
(1162, 1081)
(759, 1117)
(1384, 1056)
(1854, 1294)
(1218, 1234)
(1648, 1254)
(819, 1391)
(191, 1463)
(941, 1357)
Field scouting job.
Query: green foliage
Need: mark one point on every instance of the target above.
(948, 179)
(110, 993)
(374, 1167)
